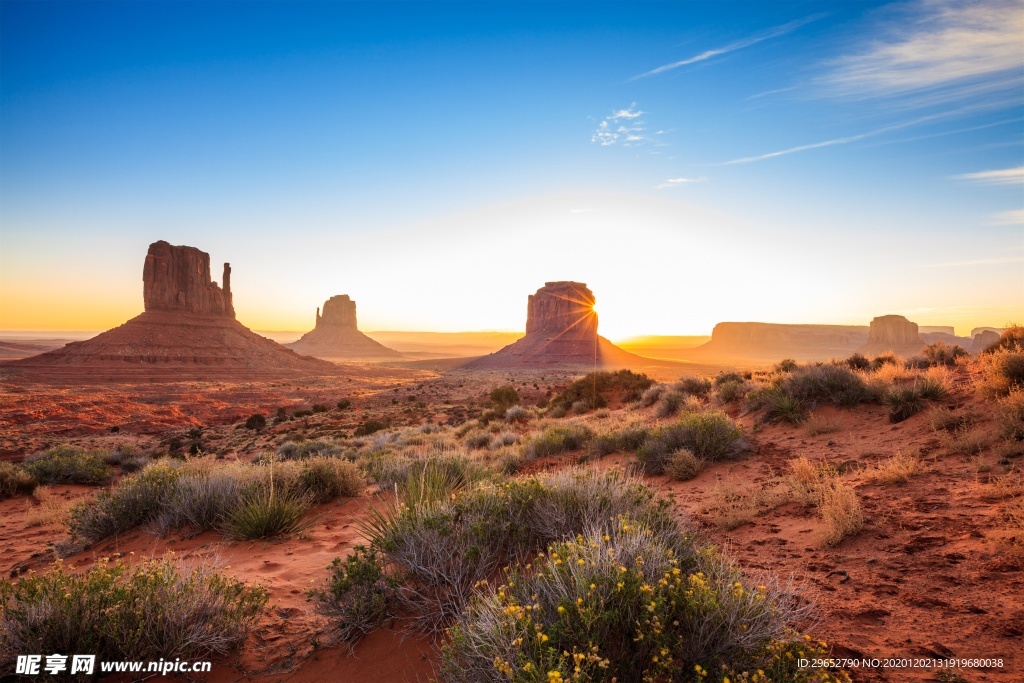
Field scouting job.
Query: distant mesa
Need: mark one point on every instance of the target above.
(561, 330)
(984, 339)
(893, 333)
(188, 331)
(336, 335)
(776, 341)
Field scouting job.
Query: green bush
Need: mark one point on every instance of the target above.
(693, 386)
(15, 481)
(256, 422)
(628, 439)
(730, 391)
(858, 362)
(324, 479)
(136, 499)
(593, 390)
(711, 436)
(504, 396)
(358, 594)
(264, 514)
(780, 406)
(621, 605)
(813, 385)
(683, 465)
(932, 389)
(669, 404)
(559, 439)
(371, 427)
(344, 404)
(903, 402)
(291, 450)
(69, 465)
(159, 609)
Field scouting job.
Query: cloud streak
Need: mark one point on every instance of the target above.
(1005, 176)
(950, 50)
(623, 126)
(731, 47)
(678, 182)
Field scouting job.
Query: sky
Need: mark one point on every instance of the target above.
(692, 162)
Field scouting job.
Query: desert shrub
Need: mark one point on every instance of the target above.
(264, 513)
(884, 359)
(807, 479)
(256, 422)
(159, 609)
(594, 389)
(917, 363)
(504, 396)
(580, 407)
(966, 441)
(518, 414)
(727, 377)
(292, 450)
(442, 546)
(841, 512)
(903, 402)
(933, 388)
(1002, 371)
(200, 500)
(320, 408)
(558, 439)
(940, 353)
(628, 439)
(941, 418)
(1010, 415)
(818, 384)
(693, 386)
(343, 404)
(477, 439)
(324, 479)
(683, 465)
(68, 465)
(711, 436)
(15, 481)
(651, 394)
(137, 499)
(858, 362)
(780, 406)
(51, 509)
(730, 391)
(896, 470)
(619, 605)
(669, 404)
(786, 365)
(371, 427)
(358, 594)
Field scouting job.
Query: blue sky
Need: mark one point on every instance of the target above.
(693, 162)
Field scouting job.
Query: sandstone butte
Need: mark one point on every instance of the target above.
(337, 336)
(188, 331)
(893, 333)
(561, 330)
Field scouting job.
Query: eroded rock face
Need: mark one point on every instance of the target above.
(894, 331)
(339, 311)
(177, 278)
(983, 340)
(562, 309)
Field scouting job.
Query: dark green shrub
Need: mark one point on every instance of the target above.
(15, 481)
(320, 408)
(555, 440)
(68, 465)
(780, 406)
(628, 439)
(158, 610)
(813, 385)
(858, 362)
(136, 499)
(344, 404)
(504, 396)
(693, 386)
(371, 427)
(730, 391)
(264, 514)
(358, 595)
(595, 388)
(324, 479)
(903, 402)
(256, 422)
(711, 436)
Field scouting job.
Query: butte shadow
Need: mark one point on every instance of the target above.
(187, 332)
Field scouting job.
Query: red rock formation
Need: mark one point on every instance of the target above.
(893, 333)
(336, 334)
(188, 331)
(178, 279)
(983, 339)
(771, 341)
(561, 330)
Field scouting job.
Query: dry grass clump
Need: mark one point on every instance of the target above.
(807, 479)
(15, 481)
(50, 509)
(841, 512)
(558, 439)
(1010, 485)
(731, 507)
(941, 353)
(1002, 366)
(903, 402)
(896, 470)
(1010, 415)
(941, 418)
(816, 425)
(683, 465)
(160, 609)
(711, 436)
(966, 441)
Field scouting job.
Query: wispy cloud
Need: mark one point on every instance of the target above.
(947, 50)
(732, 47)
(624, 126)
(1005, 176)
(1011, 217)
(678, 182)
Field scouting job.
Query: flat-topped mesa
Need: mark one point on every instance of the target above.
(564, 309)
(339, 311)
(893, 330)
(177, 278)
